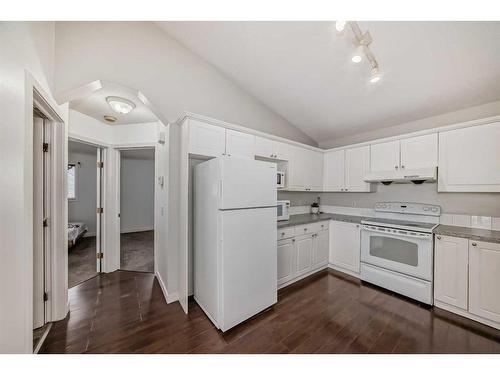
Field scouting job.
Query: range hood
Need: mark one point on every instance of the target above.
(416, 176)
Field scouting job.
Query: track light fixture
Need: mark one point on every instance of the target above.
(362, 42)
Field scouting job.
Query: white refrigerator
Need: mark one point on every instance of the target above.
(235, 258)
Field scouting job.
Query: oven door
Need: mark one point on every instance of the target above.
(402, 251)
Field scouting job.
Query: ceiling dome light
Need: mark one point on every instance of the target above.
(120, 105)
(340, 26)
(375, 76)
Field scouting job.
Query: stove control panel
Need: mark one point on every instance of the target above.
(408, 208)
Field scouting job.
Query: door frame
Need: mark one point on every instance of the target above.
(128, 147)
(56, 256)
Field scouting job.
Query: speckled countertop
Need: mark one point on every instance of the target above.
(470, 233)
(301, 219)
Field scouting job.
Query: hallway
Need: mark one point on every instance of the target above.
(125, 312)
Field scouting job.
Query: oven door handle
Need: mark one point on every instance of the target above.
(398, 233)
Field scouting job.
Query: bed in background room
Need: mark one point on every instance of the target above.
(75, 232)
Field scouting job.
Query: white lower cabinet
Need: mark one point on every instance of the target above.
(286, 266)
(304, 247)
(345, 246)
(451, 258)
(302, 253)
(467, 278)
(484, 279)
(321, 249)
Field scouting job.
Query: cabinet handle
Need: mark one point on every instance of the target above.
(396, 167)
(438, 237)
(305, 229)
(293, 240)
(228, 154)
(403, 167)
(283, 233)
(474, 244)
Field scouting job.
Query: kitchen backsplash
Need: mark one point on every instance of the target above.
(476, 210)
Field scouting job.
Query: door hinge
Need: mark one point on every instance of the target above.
(100, 164)
(45, 147)
(45, 297)
(100, 255)
(45, 223)
(100, 210)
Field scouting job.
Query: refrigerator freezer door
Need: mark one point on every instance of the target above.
(247, 183)
(249, 264)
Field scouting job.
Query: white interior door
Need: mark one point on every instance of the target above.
(247, 183)
(38, 223)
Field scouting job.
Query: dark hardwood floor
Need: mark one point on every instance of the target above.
(124, 312)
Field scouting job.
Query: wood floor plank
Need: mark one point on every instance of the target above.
(125, 312)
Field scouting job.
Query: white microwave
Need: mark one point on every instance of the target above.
(282, 210)
(280, 179)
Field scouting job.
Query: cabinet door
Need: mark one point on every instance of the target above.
(315, 170)
(419, 152)
(264, 147)
(345, 245)
(333, 171)
(384, 157)
(303, 249)
(357, 165)
(484, 279)
(297, 169)
(206, 140)
(451, 263)
(320, 249)
(286, 252)
(240, 144)
(281, 150)
(469, 159)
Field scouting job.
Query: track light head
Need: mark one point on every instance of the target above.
(340, 26)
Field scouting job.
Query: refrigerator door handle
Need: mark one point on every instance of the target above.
(220, 189)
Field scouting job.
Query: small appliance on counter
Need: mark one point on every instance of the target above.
(315, 207)
(282, 210)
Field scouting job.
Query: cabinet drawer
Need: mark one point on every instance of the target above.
(307, 229)
(323, 225)
(285, 233)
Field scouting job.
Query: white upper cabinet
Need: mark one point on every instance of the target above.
(333, 170)
(206, 140)
(451, 267)
(469, 159)
(344, 170)
(267, 148)
(419, 152)
(384, 157)
(357, 164)
(484, 279)
(240, 144)
(305, 169)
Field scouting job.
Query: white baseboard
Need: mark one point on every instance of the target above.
(169, 298)
(140, 229)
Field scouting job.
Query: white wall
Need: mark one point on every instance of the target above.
(142, 56)
(27, 46)
(83, 208)
(463, 115)
(136, 192)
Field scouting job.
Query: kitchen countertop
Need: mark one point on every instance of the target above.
(301, 219)
(470, 233)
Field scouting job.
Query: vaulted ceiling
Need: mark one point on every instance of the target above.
(302, 70)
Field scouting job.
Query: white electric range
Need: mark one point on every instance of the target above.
(397, 248)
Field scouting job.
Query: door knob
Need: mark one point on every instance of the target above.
(474, 244)
(438, 237)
